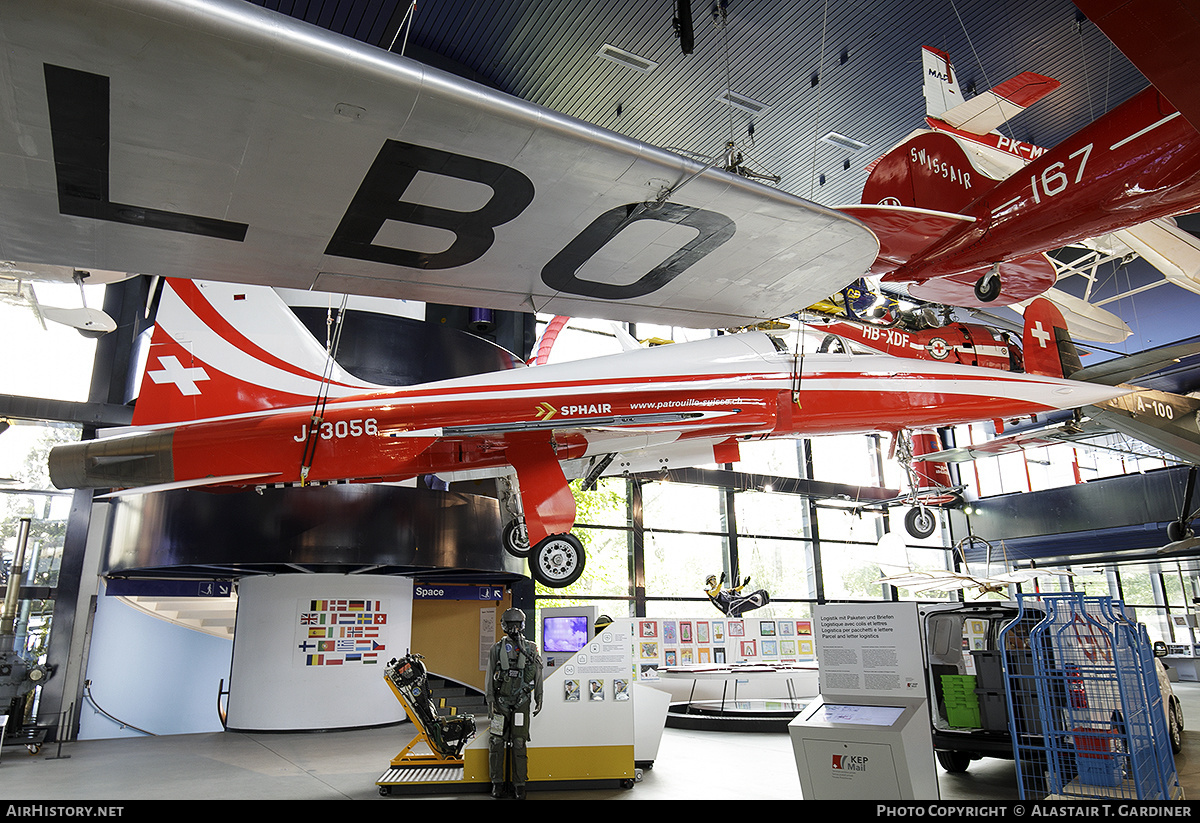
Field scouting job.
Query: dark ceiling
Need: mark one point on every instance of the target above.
(817, 66)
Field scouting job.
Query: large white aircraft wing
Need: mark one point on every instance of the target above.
(221, 140)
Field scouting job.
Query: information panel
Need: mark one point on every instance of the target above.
(872, 650)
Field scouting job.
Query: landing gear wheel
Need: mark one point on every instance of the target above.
(920, 522)
(516, 538)
(557, 561)
(1178, 531)
(954, 762)
(987, 288)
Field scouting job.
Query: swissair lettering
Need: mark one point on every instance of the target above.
(920, 157)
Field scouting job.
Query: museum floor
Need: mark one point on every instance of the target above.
(691, 765)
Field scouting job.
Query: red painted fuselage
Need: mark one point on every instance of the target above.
(1139, 162)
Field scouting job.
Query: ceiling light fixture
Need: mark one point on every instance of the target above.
(741, 101)
(843, 142)
(626, 58)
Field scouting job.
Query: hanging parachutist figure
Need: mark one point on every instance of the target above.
(731, 602)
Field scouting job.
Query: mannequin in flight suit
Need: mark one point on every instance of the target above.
(513, 682)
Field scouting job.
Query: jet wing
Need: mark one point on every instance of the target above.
(1170, 422)
(218, 139)
(1021, 441)
(1159, 37)
(1128, 368)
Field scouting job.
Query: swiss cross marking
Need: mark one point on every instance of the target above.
(182, 377)
(1041, 334)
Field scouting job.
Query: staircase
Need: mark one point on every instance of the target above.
(211, 615)
(452, 698)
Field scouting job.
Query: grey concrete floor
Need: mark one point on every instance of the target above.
(332, 766)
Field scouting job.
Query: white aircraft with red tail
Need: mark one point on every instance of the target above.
(237, 394)
(1160, 419)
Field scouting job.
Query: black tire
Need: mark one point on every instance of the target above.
(920, 522)
(557, 561)
(954, 762)
(988, 287)
(1178, 531)
(516, 538)
(1175, 728)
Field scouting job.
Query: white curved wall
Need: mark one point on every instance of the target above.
(302, 651)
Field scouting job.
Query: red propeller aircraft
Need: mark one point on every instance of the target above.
(970, 344)
(237, 394)
(953, 234)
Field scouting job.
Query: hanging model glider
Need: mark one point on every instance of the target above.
(17, 285)
(954, 229)
(221, 140)
(237, 394)
(945, 580)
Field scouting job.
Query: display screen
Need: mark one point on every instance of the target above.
(861, 715)
(565, 634)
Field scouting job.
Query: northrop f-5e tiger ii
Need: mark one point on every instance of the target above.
(237, 394)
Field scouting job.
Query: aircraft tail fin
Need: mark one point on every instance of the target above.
(1048, 348)
(219, 349)
(984, 112)
(941, 82)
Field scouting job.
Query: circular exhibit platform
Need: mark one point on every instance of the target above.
(739, 697)
(735, 715)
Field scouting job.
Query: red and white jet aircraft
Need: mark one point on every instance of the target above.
(236, 394)
(953, 230)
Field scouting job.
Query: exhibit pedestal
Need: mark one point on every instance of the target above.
(879, 750)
